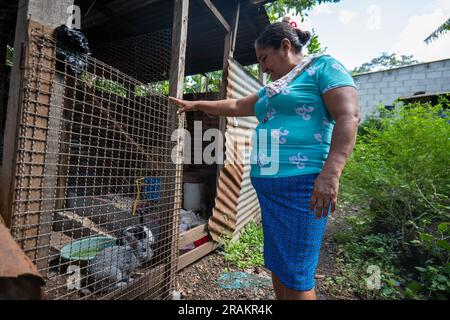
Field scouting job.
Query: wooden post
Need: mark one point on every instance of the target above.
(229, 46)
(13, 118)
(51, 14)
(3, 68)
(176, 88)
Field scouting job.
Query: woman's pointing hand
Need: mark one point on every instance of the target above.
(184, 105)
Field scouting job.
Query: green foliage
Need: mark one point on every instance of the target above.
(253, 70)
(438, 32)
(359, 251)
(208, 82)
(280, 8)
(399, 173)
(433, 283)
(434, 278)
(314, 45)
(248, 250)
(160, 87)
(214, 80)
(385, 61)
(111, 87)
(397, 167)
(105, 85)
(194, 84)
(9, 56)
(373, 121)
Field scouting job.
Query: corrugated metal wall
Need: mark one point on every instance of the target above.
(236, 201)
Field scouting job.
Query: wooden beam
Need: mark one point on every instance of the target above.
(63, 170)
(192, 235)
(51, 15)
(176, 88)
(69, 221)
(195, 254)
(38, 236)
(235, 24)
(207, 4)
(230, 41)
(49, 12)
(13, 117)
(3, 74)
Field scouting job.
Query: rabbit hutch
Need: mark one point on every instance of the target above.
(95, 187)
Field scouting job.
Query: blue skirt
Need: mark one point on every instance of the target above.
(292, 233)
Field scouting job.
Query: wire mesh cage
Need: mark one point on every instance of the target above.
(94, 204)
(145, 49)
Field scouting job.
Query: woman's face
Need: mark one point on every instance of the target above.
(275, 62)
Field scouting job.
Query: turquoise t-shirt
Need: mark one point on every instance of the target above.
(297, 123)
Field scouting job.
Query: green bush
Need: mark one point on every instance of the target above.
(359, 250)
(399, 175)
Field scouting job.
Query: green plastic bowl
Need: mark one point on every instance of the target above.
(87, 248)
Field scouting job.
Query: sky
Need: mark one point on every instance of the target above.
(356, 31)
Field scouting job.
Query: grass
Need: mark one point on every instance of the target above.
(248, 250)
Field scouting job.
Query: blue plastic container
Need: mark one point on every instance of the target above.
(151, 188)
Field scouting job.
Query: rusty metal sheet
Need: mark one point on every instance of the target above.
(19, 277)
(14, 262)
(236, 203)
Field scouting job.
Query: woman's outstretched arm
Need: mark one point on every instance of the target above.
(229, 107)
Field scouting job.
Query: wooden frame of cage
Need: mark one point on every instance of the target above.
(48, 142)
(49, 14)
(38, 233)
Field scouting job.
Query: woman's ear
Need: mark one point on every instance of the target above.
(286, 46)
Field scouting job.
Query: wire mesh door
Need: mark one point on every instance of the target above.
(94, 203)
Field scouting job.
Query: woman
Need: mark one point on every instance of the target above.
(312, 113)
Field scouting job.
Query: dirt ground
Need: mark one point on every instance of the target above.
(197, 281)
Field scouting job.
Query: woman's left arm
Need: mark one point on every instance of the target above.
(343, 105)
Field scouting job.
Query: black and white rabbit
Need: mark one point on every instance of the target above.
(110, 269)
(145, 236)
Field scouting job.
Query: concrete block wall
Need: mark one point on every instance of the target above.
(384, 87)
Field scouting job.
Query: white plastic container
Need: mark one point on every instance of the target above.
(194, 195)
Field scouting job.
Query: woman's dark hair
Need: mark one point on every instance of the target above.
(274, 33)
